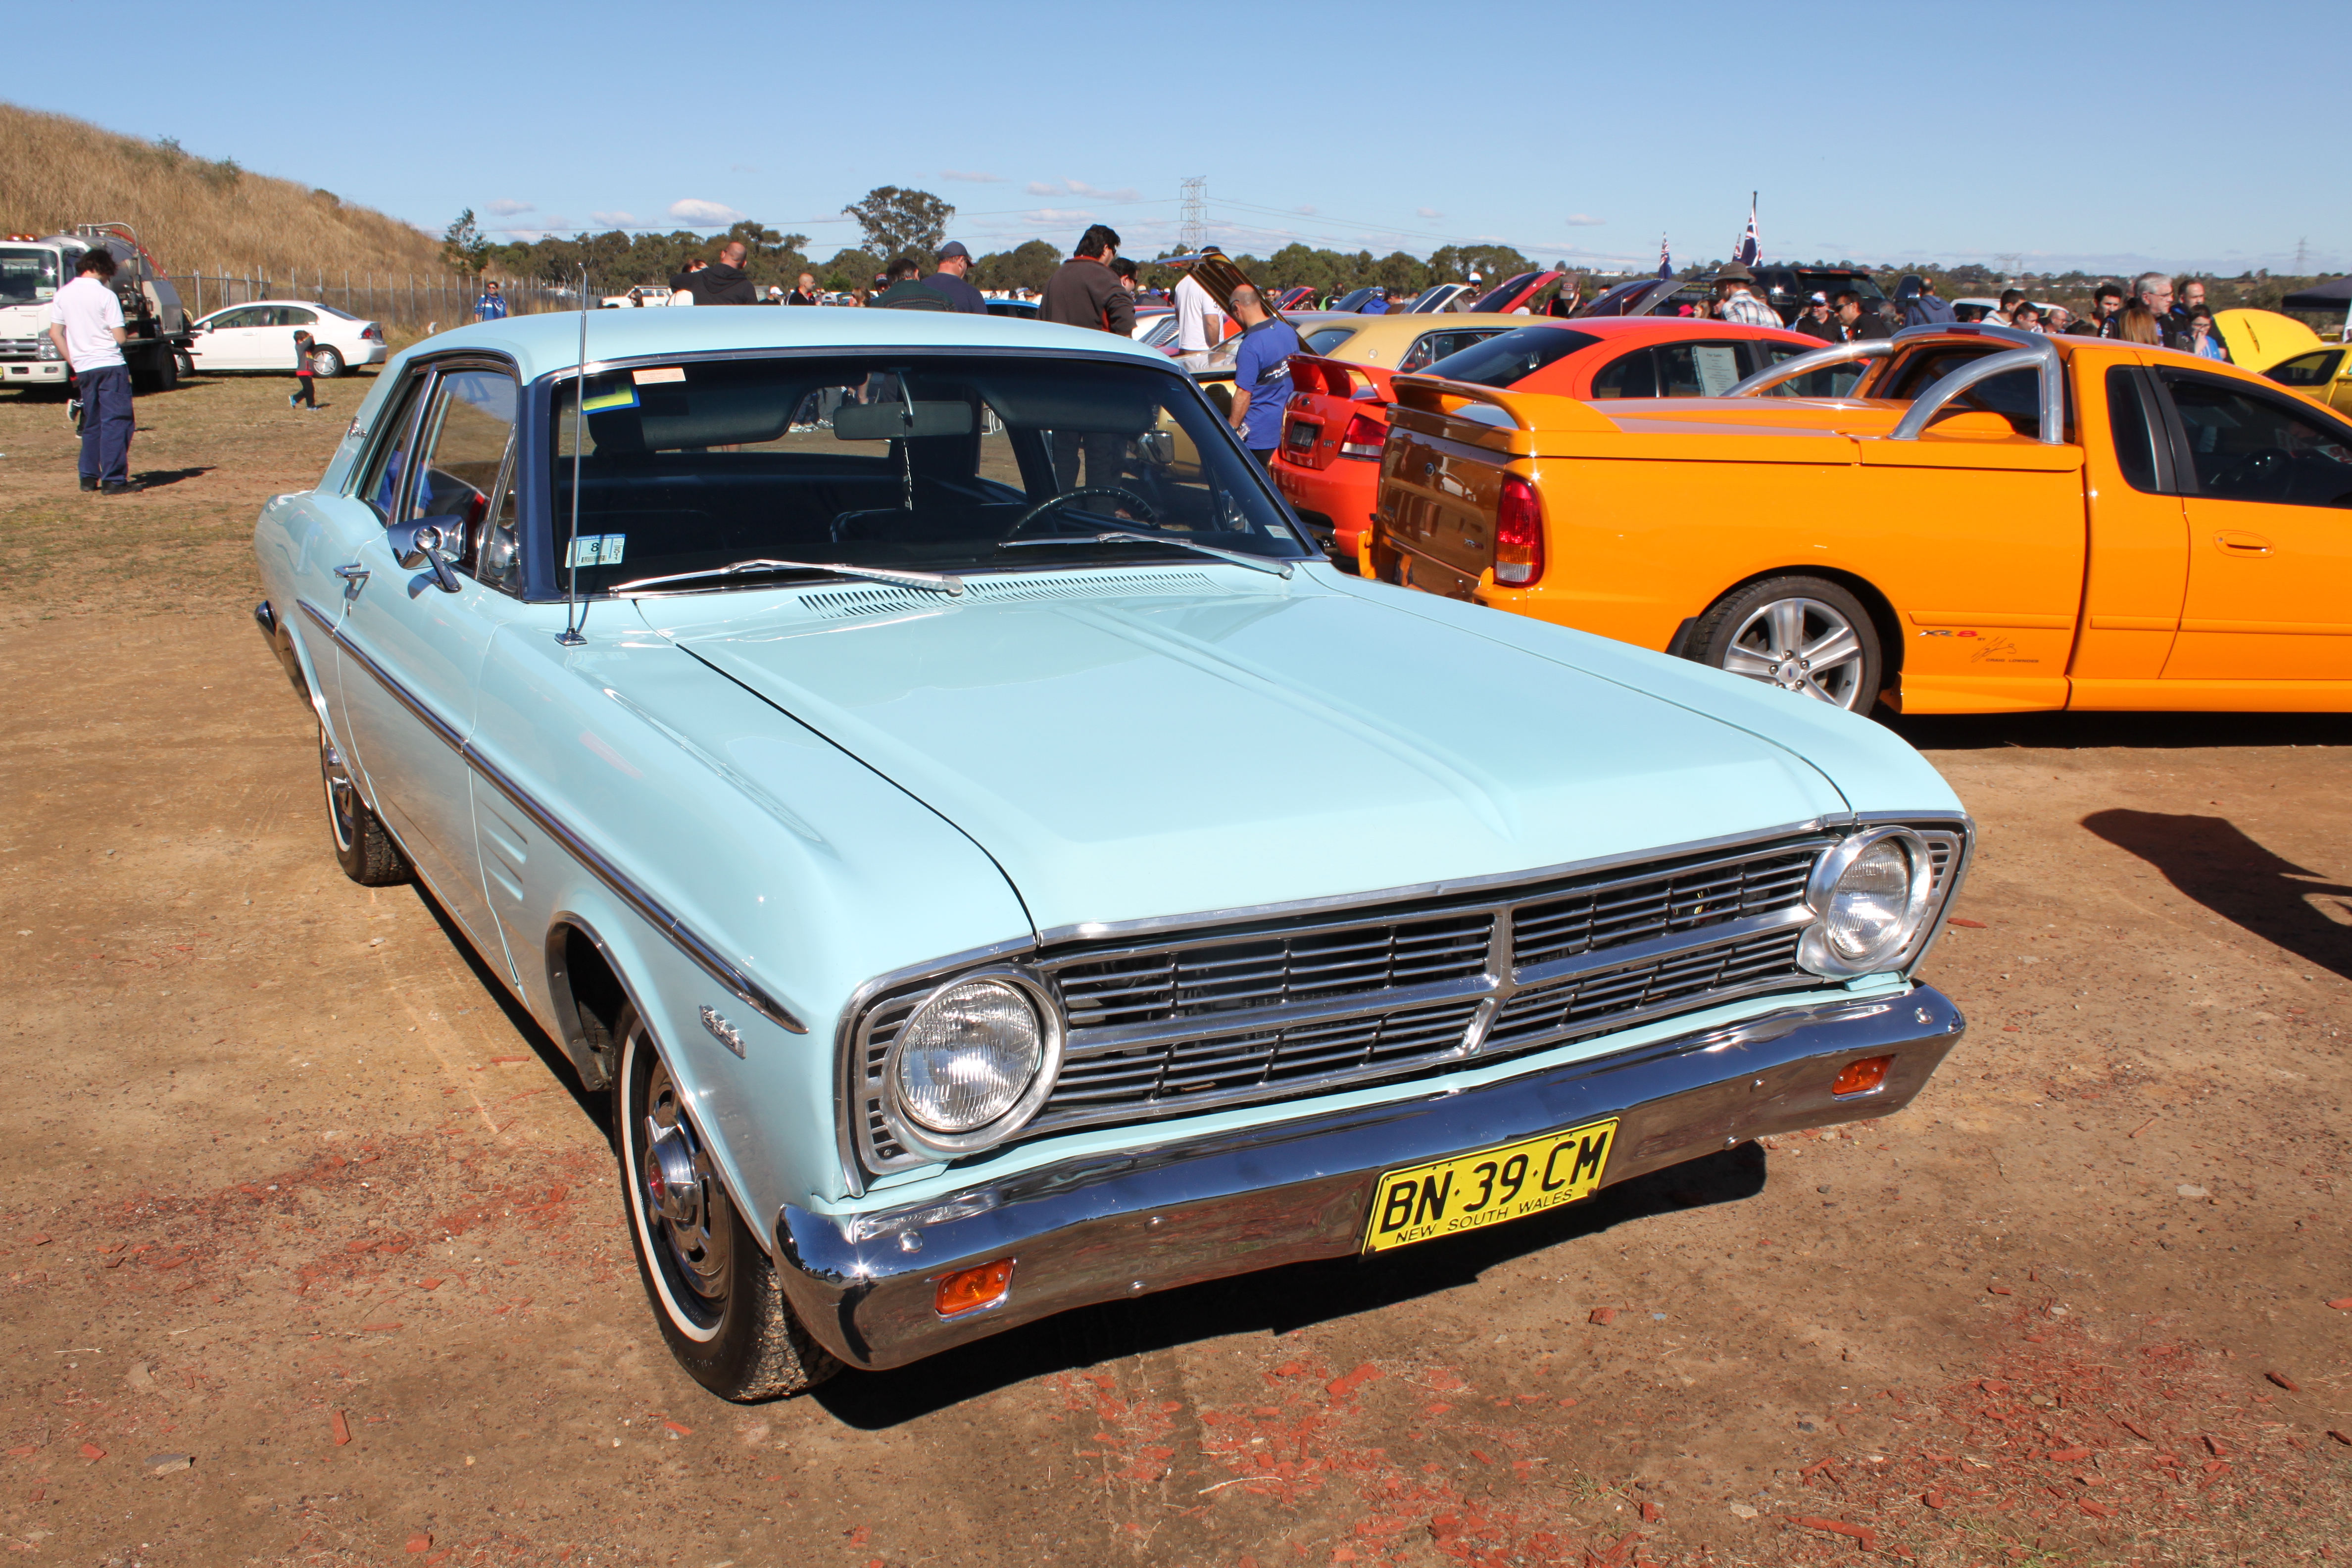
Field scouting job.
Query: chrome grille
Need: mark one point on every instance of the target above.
(1247, 1014)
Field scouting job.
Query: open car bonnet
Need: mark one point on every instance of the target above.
(1161, 742)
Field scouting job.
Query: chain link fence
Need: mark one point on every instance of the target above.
(403, 301)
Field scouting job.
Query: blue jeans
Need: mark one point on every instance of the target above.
(106, 424)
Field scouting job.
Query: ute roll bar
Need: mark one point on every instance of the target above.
(2033, 351)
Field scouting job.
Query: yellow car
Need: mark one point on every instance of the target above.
(2258, 339)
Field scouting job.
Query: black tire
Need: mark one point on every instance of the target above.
(325, 362)
(362, 848)
(1832, 651)
(186, 361)
(713, 1286)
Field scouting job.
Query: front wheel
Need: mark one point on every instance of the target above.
(326, 363)
(1805, 635)
(713, 1288)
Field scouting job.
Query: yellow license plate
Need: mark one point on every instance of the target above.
(1465, 1192)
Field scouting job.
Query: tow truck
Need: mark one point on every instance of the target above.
(34, 267)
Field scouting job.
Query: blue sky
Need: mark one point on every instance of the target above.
(2202, 136)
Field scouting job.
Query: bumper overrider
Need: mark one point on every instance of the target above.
(1179, 1213)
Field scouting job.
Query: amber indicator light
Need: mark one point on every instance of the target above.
(1862, 1076)
(970, 1290)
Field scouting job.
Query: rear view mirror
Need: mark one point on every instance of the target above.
(892, 421)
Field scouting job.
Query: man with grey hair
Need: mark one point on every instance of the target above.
(2155, 291)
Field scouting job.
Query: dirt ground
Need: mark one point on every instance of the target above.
(311, 1250)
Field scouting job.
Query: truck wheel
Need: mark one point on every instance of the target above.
(326, 363)
(165, 365)
(362, 848)
(1805, 635)
(187, 361)
(713, 1287)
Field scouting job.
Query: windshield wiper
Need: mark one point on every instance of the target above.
(1136, 536)
(936, 581)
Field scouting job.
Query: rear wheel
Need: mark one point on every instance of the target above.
(326, 363)
(713, 1288)
(362, 848)
(1805, 635)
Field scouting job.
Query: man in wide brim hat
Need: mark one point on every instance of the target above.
(1735, 298)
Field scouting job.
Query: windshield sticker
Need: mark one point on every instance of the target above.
(611, 398)
(597, 549)
(658, 373)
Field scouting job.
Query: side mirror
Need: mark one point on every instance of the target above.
(422, 542)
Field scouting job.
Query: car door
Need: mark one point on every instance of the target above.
(227, 343)
(409, 652)
(2268, 483)
(295, 319)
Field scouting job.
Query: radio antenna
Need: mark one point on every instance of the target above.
(571, 638)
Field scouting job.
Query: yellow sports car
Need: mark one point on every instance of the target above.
(2324, 375)
(2261, 339)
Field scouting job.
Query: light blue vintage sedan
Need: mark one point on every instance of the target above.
(916, 762)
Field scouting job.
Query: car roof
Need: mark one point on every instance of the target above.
(1608, 327)
(1385, 334)
(543, 343)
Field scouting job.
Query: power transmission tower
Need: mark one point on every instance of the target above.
(1191, 218)
(2302, 258)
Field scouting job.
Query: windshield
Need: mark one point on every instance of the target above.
(936, 463)
(1501, 294)
(1507, 357)
(28, 275)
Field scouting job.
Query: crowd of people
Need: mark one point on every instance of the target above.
(2154, 312)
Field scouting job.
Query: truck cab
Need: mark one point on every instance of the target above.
(34, 267)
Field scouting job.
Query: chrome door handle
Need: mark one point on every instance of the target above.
(355, 576)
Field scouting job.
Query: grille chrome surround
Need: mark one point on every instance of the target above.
(1168, 1025)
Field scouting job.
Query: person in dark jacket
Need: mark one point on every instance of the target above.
(724, 282)
(1818, 320)
(1851, 322)
(906, 291)
(804, 292)
(954, 262)
(682, 280)
(1917, 295)
(1085, 292)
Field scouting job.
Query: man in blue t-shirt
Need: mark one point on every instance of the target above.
(492, 305)
(1261, 375)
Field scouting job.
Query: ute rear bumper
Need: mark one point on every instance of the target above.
(1152, 1218)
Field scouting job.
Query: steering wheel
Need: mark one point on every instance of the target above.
(1134, 501)
(2255, 471)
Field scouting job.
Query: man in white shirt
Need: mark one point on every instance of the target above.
(86, 323)
(1200, 325)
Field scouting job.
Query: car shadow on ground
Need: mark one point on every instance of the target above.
(1277, 1302)
(2212, 862)
(2087, 731)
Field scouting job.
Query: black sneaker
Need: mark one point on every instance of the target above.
(117, 487)
(88, 483)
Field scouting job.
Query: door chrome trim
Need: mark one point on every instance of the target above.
(740, 986)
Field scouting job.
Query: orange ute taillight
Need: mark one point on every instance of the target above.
(1518, 535)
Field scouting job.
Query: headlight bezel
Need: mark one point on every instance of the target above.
(912, 1134)
(1816, 954)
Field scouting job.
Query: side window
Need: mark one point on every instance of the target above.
(2307, 370)
(1830, 381)
(2132, 432)
(2245, 446)
(1698, 370)
(466, 448)
(1629, 375)
(293, 316)
(1422, 356)
(1329, 338)
(388, 466)
(247, 317)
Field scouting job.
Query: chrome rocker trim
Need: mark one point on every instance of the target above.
(740, 986)
(1111, 1226)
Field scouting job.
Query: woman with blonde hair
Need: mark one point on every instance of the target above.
(2136, 324)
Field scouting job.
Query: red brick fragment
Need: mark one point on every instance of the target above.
(1998, 1290)
(26, 1452)
(378, 1328)
(432, 1284)
(2284, 1381)
(497, 1060)
(1604, 1316)
(1861, 1533)
(1972, 925)
(2097, 1510)
(92, 1452)
(2067, 1455)
(1934, 1499)
(2342, 1303)
(36, 1241)
(343, 1428)
(681, 1431)
(1650, 1512)
(1345, 1385)
(420, 1543)
(2010, 1030)
(2134, 1428)
(2342, 1437)
(2215, 1447)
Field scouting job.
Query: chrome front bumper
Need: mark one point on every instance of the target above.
(1155, 1217)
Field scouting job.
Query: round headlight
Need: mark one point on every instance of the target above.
(1870, 894)
(968, 1057)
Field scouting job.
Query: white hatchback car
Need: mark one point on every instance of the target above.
(260, 336)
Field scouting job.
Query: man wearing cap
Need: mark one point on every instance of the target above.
(954, 262)
(1816, 322)
(1735, 302)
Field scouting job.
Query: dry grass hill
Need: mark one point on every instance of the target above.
(193, 213)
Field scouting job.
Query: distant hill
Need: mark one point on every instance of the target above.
(193, 213)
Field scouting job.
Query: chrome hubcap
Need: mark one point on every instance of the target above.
(1802, 645)
(686, 1207)
(342, 798)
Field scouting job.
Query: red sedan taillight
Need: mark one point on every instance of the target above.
(1362, 437)
(1518, 535)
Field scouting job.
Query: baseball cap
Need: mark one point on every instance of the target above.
(954, 247)
(1819, 297)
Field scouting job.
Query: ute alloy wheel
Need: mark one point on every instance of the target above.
(362, 848)
(713, 1289)
(1804, 634)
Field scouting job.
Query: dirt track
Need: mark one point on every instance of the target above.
(284, 1169)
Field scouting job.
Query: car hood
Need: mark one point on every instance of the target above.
(1158, 742)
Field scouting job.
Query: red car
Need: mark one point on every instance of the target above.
(1329, 462)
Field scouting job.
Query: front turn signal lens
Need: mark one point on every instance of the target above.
(970, 1290)
(1858, 1077)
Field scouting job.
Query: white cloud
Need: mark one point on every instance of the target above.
(615, 220)
(971, 176)
(1058, 214)
(507, 206)
(1305, 209)
(1584, 220)
(1427, 212)
(707, 215)
(1044, 188)
(1080, 188)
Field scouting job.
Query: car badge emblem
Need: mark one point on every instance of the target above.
(725, 1033)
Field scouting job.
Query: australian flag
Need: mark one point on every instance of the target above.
(1665, 260)
(1749, 248)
